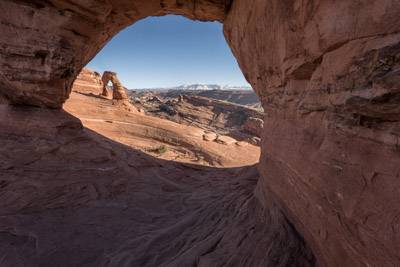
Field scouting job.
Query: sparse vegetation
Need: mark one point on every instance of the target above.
(158, 150)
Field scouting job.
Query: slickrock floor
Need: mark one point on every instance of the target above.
(72, 197)
(184, 143)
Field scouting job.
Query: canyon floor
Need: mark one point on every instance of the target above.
(98, 194)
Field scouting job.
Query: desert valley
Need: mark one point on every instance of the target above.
(172, 125)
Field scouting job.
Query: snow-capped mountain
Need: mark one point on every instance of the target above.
(210, 87)
(235, 87)
(198, 87)
(201, 87)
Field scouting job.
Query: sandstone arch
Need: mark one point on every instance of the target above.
(118, 90)
(326, 72)
(56, 39)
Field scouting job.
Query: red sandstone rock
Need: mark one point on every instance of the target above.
(225, 140)
(72, 197)
(45, 44)
(254, 126)
(327, 73)
(87, 82)
(118, 90)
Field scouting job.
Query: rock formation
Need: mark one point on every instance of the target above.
(254, 126)
(72, 197)
(328, 76)
(87, 82)
(45, 44)
(327, 73)
(118, 90)
(209, 114)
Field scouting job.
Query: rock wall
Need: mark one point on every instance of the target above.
(327, 73)
(45, 44)
(254, 126)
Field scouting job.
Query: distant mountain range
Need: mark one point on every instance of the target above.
(200, 87)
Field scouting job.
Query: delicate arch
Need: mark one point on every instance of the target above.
(118, 90)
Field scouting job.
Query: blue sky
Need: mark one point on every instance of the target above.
(169, 51)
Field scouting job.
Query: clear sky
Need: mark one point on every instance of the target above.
(170, 51)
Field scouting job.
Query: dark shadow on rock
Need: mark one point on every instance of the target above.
(72, 197)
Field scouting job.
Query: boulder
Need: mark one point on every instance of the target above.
(225, 140)
(209, 136)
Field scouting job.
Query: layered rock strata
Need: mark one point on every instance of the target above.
(327, 73)
(254, 126)
(87, 82)
(45, 44)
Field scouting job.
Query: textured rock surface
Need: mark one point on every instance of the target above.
(242, 97)
(213, 115)
(88, 82)
(71, 197)
(182, 143)
(327, 73)
(45, 44)
(118, 90)
(254, 126)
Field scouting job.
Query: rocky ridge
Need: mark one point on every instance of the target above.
(219, 117)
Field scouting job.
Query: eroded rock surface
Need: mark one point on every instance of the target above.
(241, 97)
(254, 126)
(327, 73)
(220, 117)
(118, 90)
(88, 82)
(45, 44)
(71, 197)
(158, 137)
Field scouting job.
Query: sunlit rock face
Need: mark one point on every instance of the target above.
(118, 90)
(327, 73)
(88, 81)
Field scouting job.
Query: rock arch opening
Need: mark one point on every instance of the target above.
(110, 78)
(326, 73)
(64, 48)
(182, 73)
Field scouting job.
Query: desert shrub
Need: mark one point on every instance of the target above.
(158, 150)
